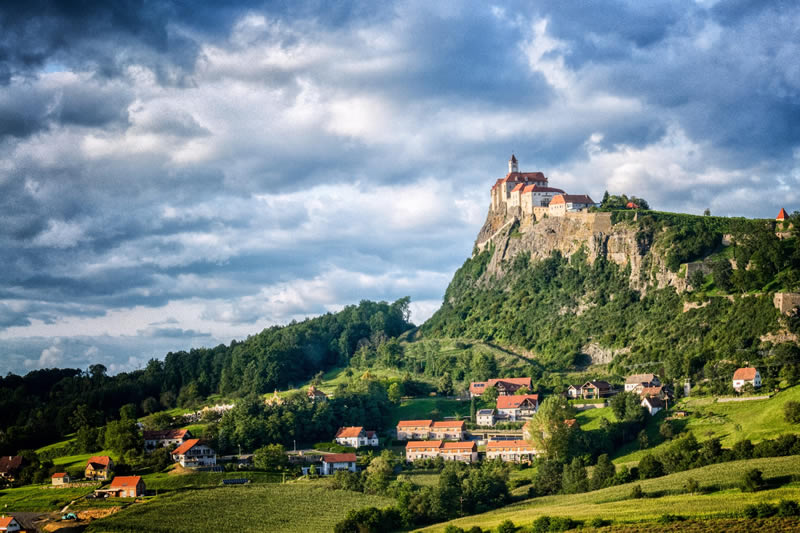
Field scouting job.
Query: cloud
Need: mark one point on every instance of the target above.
(51, 357)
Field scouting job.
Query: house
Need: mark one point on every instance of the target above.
(422, 449)
(9, 523)
(126, 487)
(660, 392)
(643, 380)
(99, 467)
(10, 466)
(518, 407)
(465, 451)
(504, 386)
(631, 205)
(485, 417)
(274, 400)
(60, 478)
(653, 405)
(355, 436)
(746, 375)
(514, 451)
(316, 395)
(413, 429)
(595, 389)
(338, 461)
(448, 429)
(561, 204)
(193, 453)
(165, 438)
(574, 391)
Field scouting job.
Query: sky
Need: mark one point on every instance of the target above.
(181, 174)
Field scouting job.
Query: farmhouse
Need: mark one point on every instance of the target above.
(485, 417)
(742, 376)
(422, 449)
(60, 478)
(641, 380)
(9, 523)
(193, 453)
(661, 392)
(10, 466)
(596, 389)
(166, 438)
(126, 487)
(466, 452)
(504, 386)
(99, 467)
(355, 436)
(413, 429)
(518, 407)
(653, 405)
(573, 391)
(338, 461)
(451, 429)
(316, 395)
(515, 451)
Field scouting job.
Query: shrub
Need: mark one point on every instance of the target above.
(752, 481)
(599, 522)
(541, 525)
(692, 486)
(669, 518)
(637, 492)
(453, 529)
(506, 526)
(788, 508)
(562, 523)
(791, 412)
(649, 467)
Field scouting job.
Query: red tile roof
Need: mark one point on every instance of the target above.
(571, 199)
(463, 445)
(414, 423)
(349, 432)
(571, 422)
(449, 424)
(518, 187)
(539, 188)
(339, 458)
(185, 446)
(512, 402)
(525, 382)
(782, 215)
(747, 374)
(423, 444)
(631, 205)
(508, 443)
(60, 474)
(165, 434)
(99, 460)
(121, 482)
(6, 521)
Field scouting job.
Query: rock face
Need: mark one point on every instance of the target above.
(592, 232)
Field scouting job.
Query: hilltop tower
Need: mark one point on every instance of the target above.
(512, 164)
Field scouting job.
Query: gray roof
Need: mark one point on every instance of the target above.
(485, 411)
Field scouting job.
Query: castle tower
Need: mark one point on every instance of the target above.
(512, 164)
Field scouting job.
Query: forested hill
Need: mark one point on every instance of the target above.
(45, 404)
(650, 292)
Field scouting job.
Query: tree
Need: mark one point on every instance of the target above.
(691, 486)
(378, 474)
(548, 477)
(574, 478)
(743, 449)
(707, 212)
(394, 392)
(665, 430)
(644, 442)
(128, 411)
(548, 431)
(752, 480)
(791, 412)
(650, 467)
(472, 411)
(271, 457)
(697, 279)
(722, 271)
(122, 436)
(489, 395)
(603, 473)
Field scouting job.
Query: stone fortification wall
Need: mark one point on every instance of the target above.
(786, 301)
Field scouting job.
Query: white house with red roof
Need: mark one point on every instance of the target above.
(742, 376)
(194, 453)
(504, 386)
(60, 478)
(515, 451)
(422, 449)
(465, 451)
(561, 204)
(653, 404)
(517, 407)
(414, 429)
(447, 430)
(165, 438)
(355, 437)
(99, 467)
(332, 462)
(126, 487)
(9, 523)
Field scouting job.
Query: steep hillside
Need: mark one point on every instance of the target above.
(648, 290)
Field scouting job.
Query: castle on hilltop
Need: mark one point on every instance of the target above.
(528, 195)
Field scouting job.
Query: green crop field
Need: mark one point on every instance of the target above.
(730, 421)
(664, 495)
(301, 506)
(193, 480)
(39, 498)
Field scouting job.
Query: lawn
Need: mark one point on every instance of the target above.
(77, 462)
(664, 495)
(300, 506)
(590, 418)
(39, 498)
(425, 408)
(163, 481)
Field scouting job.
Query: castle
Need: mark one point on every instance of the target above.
(527, 195)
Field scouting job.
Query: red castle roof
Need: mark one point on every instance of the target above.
(782, 215)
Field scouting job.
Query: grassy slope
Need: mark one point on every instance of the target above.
(731, 422)
(665, 496)
(423, 408)
(39, 498)
(255, 508)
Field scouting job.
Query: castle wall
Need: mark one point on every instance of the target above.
(786, 301)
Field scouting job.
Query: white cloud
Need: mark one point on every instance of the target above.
(51, 357)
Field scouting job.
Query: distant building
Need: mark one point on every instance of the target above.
(517, 407)
(504, 386)
(10, 466)
(355, 437)
(413, 429)
(485, 417)
(9, 523)
(99, 467)
(596, 389)
(165, 438)
(338, 461)
(781, 215)
(514, 451)
(574, 391)
(447, 430)
(193, 454)
(561, 204)
(466, 452)
(316, 395)
(126, 487)
(746, 375)
(422, 449)
(653, 405)
(643, 380)
(60, 478)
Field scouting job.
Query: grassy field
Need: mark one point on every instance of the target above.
(424, 408)
(590, 418)
(301, 506)
(664, 495)
(163, 481)
(730, 421)
(39, 498)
